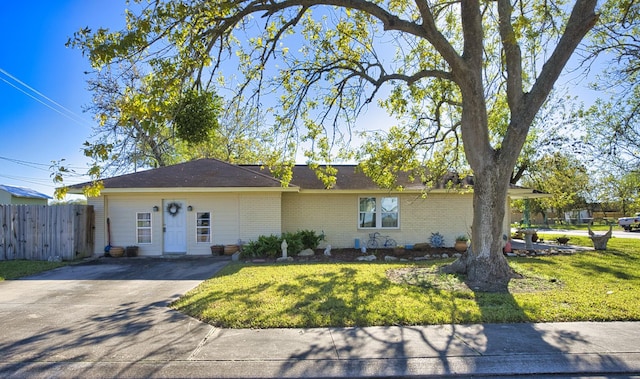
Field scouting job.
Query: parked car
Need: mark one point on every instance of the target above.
(630, 223)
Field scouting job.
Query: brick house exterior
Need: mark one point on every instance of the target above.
(186, 208)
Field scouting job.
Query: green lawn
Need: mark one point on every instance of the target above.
(16, 269)
(602, 286)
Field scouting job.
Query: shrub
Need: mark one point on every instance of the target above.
(271, 246)
(294, 243)
(310, 240)
(265, 246)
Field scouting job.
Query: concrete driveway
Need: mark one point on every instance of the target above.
(101, 311)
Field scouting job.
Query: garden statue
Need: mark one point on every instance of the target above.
(284, 247)
(600, 241)
(327, 251)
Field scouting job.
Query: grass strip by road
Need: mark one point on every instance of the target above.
(15, 269)
(587, 286)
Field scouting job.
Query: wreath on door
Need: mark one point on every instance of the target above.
(173, 208)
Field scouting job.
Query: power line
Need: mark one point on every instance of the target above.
(37, 166)
(58, 108)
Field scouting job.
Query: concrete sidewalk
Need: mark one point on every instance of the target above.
(538, 350)
(109, 319)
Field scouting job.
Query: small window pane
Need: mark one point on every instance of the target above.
(389, 204)
(367, 220)
(143, 227)
(203, 227)
(144, 236)
(389, 220)
(367, 204)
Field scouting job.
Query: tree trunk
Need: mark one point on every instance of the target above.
(484, 263)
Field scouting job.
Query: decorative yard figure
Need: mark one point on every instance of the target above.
(600, 241)
(327, 251)
(284, 247)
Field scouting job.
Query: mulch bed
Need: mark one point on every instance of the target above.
(351, 255)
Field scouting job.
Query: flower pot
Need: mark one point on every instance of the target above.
(217, 249)
(230, 249)
(116, 251)
(460, 246)
(132, 251)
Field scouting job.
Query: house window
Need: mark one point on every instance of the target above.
(378, 212)
(203, 227)
(143, 227)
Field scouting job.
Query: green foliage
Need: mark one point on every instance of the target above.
(310, 239)
(196, 115)
(264, 246)
(294, 242)
(15, 269)
(271, 246)
(562, 176)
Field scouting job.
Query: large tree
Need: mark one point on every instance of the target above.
(462, 63)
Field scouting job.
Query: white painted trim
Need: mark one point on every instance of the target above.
(198, 189)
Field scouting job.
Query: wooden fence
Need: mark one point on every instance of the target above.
(40, 232)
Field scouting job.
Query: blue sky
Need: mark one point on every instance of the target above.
(34, 53)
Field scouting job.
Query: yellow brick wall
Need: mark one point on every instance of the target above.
(235, 216)
(260, 214)
(337, 216)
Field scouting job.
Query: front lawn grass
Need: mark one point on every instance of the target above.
(587, 286)
(16, 269)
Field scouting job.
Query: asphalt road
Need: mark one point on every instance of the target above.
(616, 233)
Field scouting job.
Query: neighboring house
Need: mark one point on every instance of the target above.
(186, 208)
(21, 196)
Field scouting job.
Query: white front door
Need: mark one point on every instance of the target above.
(175, 227)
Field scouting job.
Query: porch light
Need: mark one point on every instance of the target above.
(156, 208)
(189, 208)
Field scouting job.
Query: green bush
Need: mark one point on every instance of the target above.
(265, 246)
(294, 243)
(271, 246)
(310, 240)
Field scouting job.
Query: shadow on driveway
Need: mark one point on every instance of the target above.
(139, 268)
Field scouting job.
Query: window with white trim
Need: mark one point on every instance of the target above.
(143, 227)
(203, 227)
(378, 212)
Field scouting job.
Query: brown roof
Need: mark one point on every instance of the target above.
(348, 177)
(195, 174)
(213, 173)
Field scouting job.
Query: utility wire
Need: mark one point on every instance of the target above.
(38, 166)
(62, 110)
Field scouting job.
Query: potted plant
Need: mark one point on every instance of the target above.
(217, 249)
(461, 243)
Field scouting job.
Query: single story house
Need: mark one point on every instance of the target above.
(11, 195)
(187, 207)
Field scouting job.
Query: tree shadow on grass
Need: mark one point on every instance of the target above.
(484, 349)
(533, 348)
